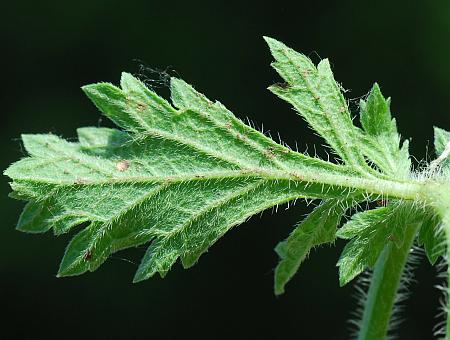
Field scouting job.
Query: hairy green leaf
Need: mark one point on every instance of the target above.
(369, 231)
(34, 217)
(375, 113)
(381, 140)
(318, 99)
(180, 177)
(432, 238)
(181, 174)
(316, 229)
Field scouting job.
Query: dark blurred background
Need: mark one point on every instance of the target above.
(51, 48)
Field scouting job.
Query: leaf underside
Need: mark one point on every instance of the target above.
(319, 227)
(369, 232)
(179, 175)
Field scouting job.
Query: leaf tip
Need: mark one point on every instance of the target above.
(342, 282)
(278, 290)
(61, 273)
(268, 40)
(376, 88)
(324, 65)
(273, 44)
(128, 81)
(137, 278)
(142, 274)
(8, 172)
(177, 86)
(174, 81)
(88, 89)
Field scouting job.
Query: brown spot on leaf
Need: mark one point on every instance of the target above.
(141, 107)
(88, 255)
(122, 165)
(80, 181)
(270, 152)
(382, 203)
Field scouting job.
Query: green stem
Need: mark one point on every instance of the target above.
(439, 197)
(384, 286)
(447, 325)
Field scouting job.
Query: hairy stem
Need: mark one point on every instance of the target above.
(447, 291)
(439, 198)
(384, 286)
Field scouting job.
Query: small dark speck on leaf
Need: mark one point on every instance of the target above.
(270, 152)
(88, 255)
(392, 238)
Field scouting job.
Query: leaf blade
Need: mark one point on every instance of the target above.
(369, 232)
(317, 228)
(318, 99)
(380, 139)
(126, 191)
